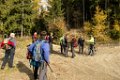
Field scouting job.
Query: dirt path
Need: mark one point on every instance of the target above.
(104, 65)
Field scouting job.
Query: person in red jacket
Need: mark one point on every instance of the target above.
(9, 45)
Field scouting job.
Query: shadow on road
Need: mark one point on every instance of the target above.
(58, 53)
(24, 69)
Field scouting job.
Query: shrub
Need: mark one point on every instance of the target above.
(115, 31)
(97, 27)
(57, 27)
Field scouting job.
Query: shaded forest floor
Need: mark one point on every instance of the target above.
(104, 65)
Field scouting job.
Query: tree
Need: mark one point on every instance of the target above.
(16, 16)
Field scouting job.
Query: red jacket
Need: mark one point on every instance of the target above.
(9, 43)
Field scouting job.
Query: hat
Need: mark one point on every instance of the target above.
(12, 35)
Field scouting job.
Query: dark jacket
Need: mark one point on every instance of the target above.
(81, 41)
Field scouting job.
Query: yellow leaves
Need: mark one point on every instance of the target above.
(98, 28)
(100, 16)
(35, 3)
(99, 20)
(58, 23)
(87, 26)
(116, 26)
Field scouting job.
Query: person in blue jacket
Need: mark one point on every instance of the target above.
(40, 63)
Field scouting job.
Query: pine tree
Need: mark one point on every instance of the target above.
(16, 15)
(56, 9)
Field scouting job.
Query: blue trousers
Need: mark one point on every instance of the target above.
(9, 57)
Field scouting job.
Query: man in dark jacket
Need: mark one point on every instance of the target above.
(81, 44)
(65, 45)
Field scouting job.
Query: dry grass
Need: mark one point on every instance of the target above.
(104, 65)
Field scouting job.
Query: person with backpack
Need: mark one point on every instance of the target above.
(9, 45)
(65, 45)
(73, 45)
(61, 44)
(81, 44)
(40, 51)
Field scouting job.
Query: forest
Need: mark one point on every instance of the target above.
(99, 17)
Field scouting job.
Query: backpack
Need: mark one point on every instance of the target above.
(75, 42)
(37, 57)
(29, 54)
(37, 51)
(64, 41)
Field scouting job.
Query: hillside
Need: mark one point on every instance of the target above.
(104, 65)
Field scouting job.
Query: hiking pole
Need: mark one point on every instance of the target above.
(29, 62)
(52, 71)
(50, 67)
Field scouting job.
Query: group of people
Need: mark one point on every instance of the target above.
(39, 51)
(73, 42)
(40, 48)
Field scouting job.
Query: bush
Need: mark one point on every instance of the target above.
(97, 27)
(57, 27)
(115, 34)
(115, 31)
(87, 27)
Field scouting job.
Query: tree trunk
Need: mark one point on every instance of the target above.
(21, 30)
(22, 20)
(83, 11)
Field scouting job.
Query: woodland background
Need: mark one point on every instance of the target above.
(98, 17)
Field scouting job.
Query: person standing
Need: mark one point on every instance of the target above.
(40, 50)
(34, 37)
(65, 45)
(91, 42)
(46, 52)
(49, 38)
(61, 44)
(81, 44)
(73, 45)
(9, 44)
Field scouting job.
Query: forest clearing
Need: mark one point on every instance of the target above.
(67, 24)
(104, 65)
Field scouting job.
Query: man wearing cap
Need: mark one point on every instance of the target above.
(44, 52)
(9, 44)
